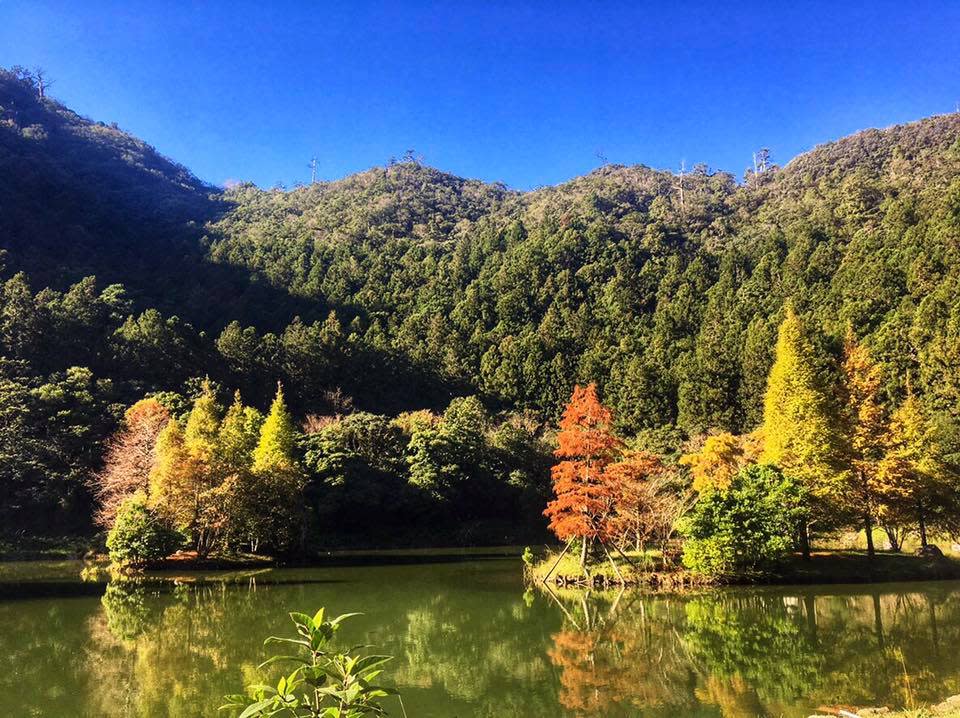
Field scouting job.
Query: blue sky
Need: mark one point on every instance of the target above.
(520, 92)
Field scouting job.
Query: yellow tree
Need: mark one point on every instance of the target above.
(277, 481)
(799, 428)
(171, 489)
(237, 437)
(720, 458)
(203, 423)
(913, 477)
(865, 432)
(275, 450)
(231, 505)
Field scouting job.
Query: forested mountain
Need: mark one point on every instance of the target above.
(404, 286)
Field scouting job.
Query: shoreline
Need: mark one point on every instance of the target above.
(823, 568)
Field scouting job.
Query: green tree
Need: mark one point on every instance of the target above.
(139, 534)
(746, 528)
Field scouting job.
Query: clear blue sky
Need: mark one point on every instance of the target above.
(520, 92)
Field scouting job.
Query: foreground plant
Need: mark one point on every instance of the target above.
(326, 684)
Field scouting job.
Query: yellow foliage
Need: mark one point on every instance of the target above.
(720, 458)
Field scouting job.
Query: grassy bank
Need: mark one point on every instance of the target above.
(950, 708)
(852, 566)
(837, 566)
(635, 568)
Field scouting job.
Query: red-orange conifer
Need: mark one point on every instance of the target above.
(586, 445)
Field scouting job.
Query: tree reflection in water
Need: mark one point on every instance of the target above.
(469, 642)
(753, 652)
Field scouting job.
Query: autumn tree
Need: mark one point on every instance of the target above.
(914, 478)
(129, 458)
(277, 482)
(798, 424)
(277, 442)
(171, 492)
(237, 437)
(722, 455)
(231, 505)
(638, 515)
(865, 432)
(586, 445)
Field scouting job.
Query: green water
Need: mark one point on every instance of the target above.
(469, 641)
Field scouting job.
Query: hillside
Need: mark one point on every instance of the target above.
(403, 286)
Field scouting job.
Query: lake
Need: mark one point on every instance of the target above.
(469, 640)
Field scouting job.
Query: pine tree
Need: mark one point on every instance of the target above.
(200, 437)
(172, 492)
(277, 483)
(583, 495)
(865, 432)
(798, 425)
(237, 437)
(277, 443)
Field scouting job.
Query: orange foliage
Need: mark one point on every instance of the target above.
(129, 458)
(586, 445)
(640, 510)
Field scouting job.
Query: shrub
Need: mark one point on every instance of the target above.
(140, 535)
(746, 528)
(325, 684)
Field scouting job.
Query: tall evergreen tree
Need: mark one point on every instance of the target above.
(172, 491)
(275, 450)
(237, 437)
(799, 428)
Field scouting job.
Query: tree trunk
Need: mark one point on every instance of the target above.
(868, 526)
(805, 541)
(923, 528)
(892, 537)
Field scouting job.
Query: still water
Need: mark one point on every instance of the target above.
(470, 641)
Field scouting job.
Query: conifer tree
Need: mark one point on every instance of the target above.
(275, 448)
(913, 476)
(237, 437)
(586, 444)
(275, 493)
(172, 492)
(865, 432)
(798, 425)
(637, 516)
(200, 437)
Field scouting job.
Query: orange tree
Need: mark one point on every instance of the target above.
(584, 494)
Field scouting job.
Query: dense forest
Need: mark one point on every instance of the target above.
(428, 330)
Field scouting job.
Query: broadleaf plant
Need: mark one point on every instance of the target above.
(326, 683)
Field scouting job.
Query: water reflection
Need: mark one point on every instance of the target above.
(755, 652)
(470, 641)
